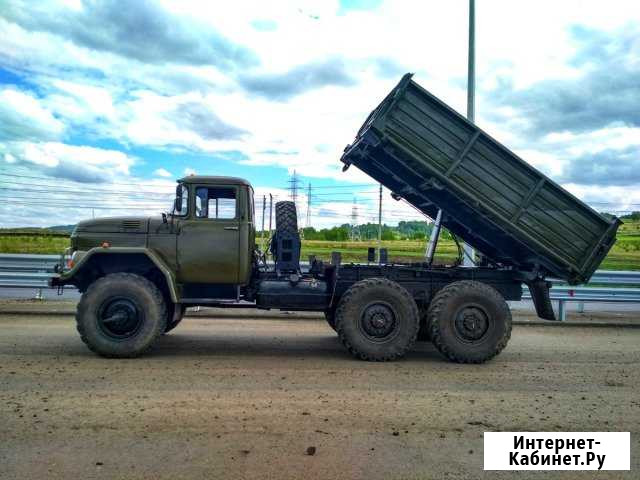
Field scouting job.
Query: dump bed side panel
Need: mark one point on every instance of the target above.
(434, 158)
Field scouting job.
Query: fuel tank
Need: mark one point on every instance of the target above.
(299, 294)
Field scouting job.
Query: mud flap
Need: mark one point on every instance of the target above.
(540, 295)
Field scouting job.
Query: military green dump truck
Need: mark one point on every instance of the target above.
(137, 275)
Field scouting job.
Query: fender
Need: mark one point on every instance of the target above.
(67, 277)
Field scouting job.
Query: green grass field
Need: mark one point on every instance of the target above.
(32, 244)
(625, 254)
(399, 250)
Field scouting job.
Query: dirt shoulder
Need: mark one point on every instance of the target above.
(239, 398)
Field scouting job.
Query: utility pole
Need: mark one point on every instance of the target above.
(264, 207)
(469, 253)
(355, 234)
(270, 211)
(308, 205)
(294, 187)
(471, 67)
(379, 221)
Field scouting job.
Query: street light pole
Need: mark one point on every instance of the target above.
(471, 68)
(379, 221)
(469, 253)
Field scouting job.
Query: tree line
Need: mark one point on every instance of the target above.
(405, 230)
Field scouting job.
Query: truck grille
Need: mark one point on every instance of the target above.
(128, 224)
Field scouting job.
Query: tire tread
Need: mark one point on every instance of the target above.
(438, 304)
(398, 351)
(103, 282)
(286, 217)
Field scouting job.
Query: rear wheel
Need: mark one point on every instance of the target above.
(469, 322)
(121, 315)
(377, 320)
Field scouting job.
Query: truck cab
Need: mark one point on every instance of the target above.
(213, 223)
(202, 248)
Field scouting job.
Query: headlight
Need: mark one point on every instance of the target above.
(75, 258)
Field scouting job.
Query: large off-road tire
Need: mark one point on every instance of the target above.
(175, 313)
(121, 315)
(286, 218)
(470, 322)
(377, 320)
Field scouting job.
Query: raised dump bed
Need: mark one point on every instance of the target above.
(433, 157)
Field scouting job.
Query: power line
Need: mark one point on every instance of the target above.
(331, 194)
(65, 179)
(308, 223)
(340, 186)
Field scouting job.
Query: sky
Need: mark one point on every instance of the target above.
(102, 107)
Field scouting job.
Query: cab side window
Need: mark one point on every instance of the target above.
(217, 203)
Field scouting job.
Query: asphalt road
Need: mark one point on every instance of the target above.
(246, 398)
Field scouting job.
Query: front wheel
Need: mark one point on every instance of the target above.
(377, 320)
(469, 322)
(121, 315)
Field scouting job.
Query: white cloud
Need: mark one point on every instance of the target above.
(189, 171)
(82, 104)
(161, 172)
(22, 117)
(80, 163)
(109, 92)
(608, 198)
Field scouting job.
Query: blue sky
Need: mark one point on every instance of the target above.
(102, 108)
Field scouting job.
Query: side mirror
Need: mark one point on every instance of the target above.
(177, 204)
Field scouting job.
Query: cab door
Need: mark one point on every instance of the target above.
(209, 238)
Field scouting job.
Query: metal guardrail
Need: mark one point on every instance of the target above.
(27, 271)
(564, 294)
(33, 271)
(594, 292)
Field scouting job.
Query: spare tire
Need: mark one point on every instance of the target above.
(286, 218)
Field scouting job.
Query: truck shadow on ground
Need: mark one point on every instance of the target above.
(244, 345)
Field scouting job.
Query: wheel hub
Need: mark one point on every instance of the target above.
(378, 320)
(471, 323)
(119, 318)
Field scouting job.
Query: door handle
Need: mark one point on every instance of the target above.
(231, 228)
